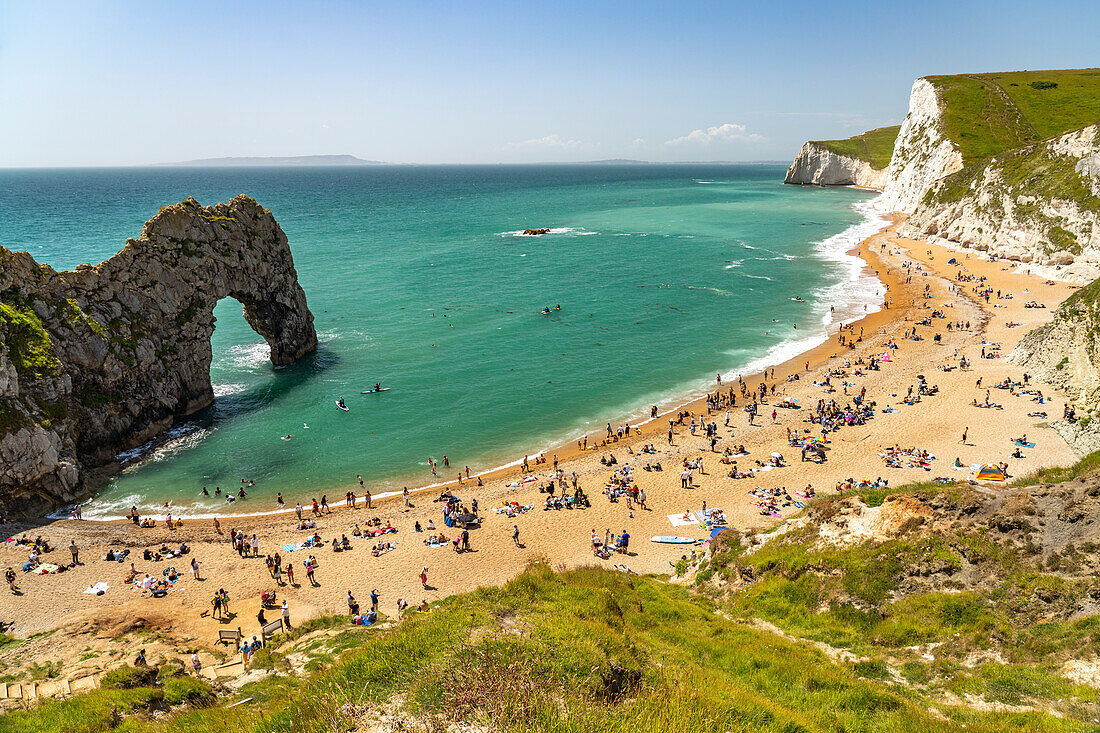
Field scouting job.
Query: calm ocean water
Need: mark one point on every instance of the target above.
(418, 278)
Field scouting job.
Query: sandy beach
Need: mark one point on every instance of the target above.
(936, 424)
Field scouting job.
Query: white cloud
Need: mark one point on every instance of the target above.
(639, 141)
(550, 141)
(726, 133)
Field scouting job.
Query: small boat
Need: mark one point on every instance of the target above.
(667, 540)
(373, 391)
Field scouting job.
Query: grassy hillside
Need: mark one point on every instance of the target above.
(986, 114)
(874, 146)
(967, 594)
(1032, 170)
(581, 651)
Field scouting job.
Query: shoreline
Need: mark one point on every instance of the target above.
(562, 537)
(687, 398)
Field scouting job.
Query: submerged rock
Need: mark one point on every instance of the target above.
(100, 359)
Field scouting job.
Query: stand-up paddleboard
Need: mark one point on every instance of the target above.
(375, 391)
(342, 407)
(673, 540)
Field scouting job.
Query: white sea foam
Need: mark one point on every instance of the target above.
(224, 390)
(755, 277)
(573, 231)
(859, 292)
(734, 264)
(246, 356)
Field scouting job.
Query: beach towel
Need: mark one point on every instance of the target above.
(704, 516)
(1024, 444)
(98, 588)
(45, 568)
(289, 548)
(678, 520)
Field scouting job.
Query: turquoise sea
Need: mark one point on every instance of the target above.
(419, 278)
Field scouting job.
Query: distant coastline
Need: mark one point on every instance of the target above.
(281, 160)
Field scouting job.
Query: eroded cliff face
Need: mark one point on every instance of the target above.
(816, 165)
(1066, 354)
(922, 153)
(100, 359)
(1039, 204)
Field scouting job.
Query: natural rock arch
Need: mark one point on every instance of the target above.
(102, 358)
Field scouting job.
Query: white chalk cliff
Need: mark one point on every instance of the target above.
(922, 153)
(1037, 204)
(816, 165)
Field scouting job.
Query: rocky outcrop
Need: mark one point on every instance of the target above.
(1039, 204)
(922, 154)
(100, 359)
(1065, 353)
(816, 165)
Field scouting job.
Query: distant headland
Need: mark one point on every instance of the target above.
(303, 160)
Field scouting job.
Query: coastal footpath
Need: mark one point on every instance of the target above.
(103, 358)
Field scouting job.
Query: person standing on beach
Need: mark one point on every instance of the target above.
(963, 441)
(374, 600)
(289, 573)
(515, 534)
(298, 511)
(217, 526)
(75, 552)
(424, 578)
(405, 496)
(367, 499)
(286, 608)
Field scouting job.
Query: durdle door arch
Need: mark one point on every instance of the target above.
(101, 358)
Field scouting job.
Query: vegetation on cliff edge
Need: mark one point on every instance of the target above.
(589, 649)
(29, 345)
(986, 114)
(874, 146)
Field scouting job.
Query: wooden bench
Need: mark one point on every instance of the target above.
(232, 637)
(271, 628)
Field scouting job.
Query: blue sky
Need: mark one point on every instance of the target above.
(125, 83)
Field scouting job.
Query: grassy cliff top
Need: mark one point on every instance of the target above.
(586, 650)
(986, 114)
(1030, 170)
(874, 146)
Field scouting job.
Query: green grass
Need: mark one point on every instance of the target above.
(29, 345)
(986, 114)
(585, 650)
(874, 146)
(1029, 170)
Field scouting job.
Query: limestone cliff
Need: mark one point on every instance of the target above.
(1066, 354)
(860, 160)
(817, 165)
(102, 358)
(1038, 204)
(922, 154)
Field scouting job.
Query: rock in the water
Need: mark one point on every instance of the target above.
(99, 359)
